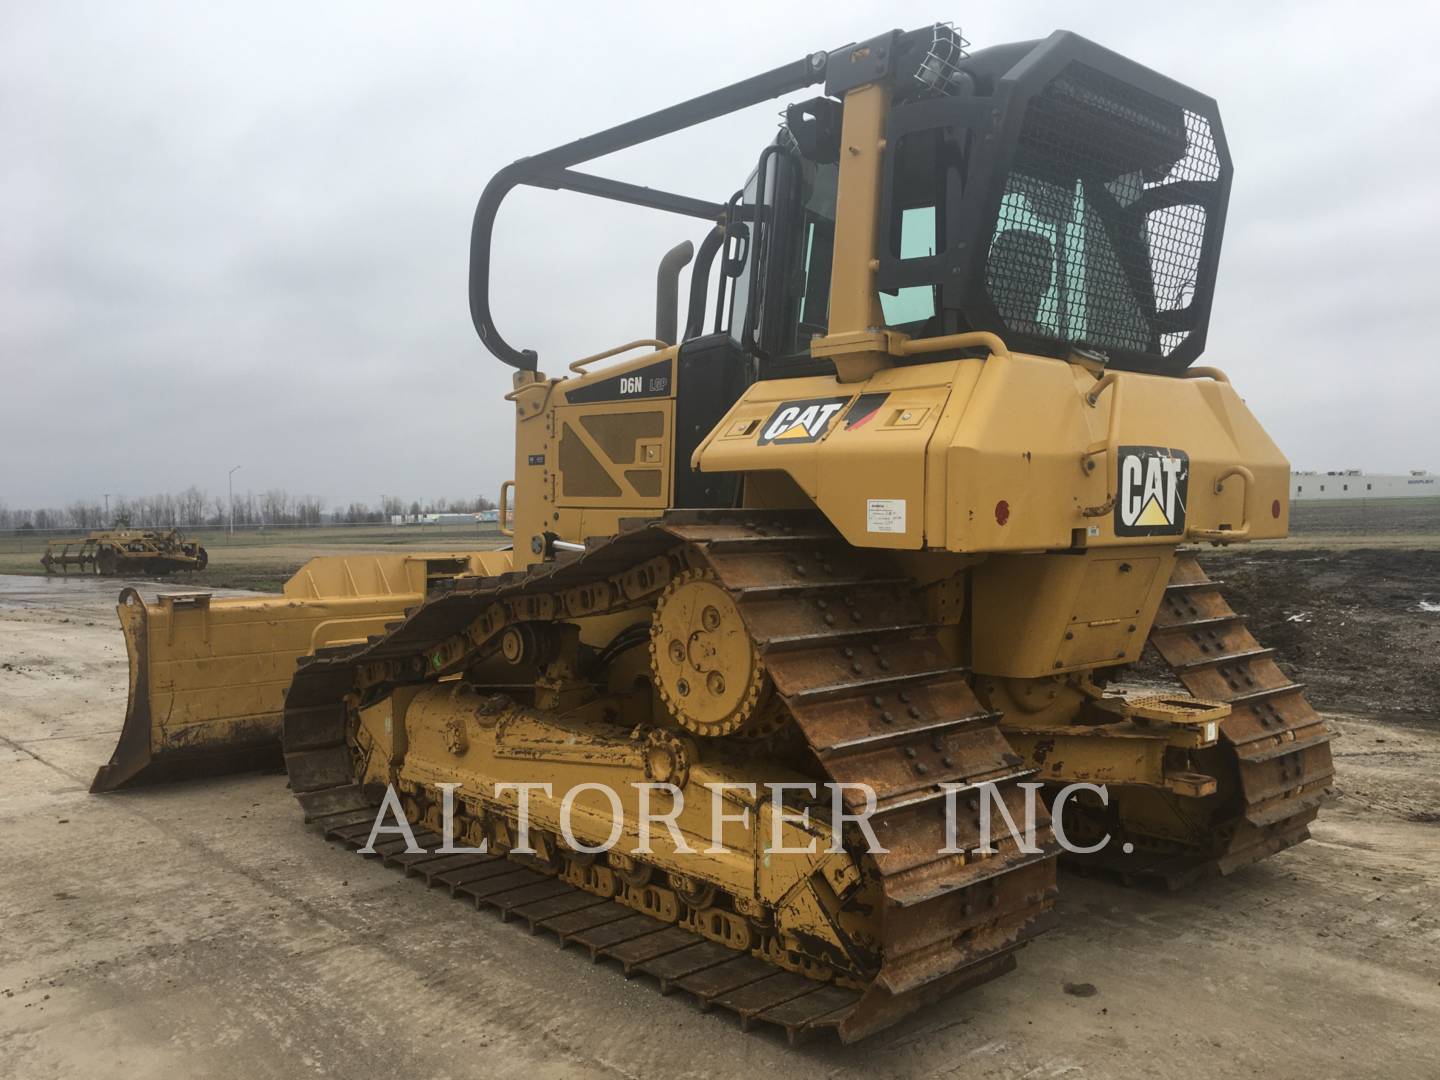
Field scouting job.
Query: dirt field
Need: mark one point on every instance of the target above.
(1372, 523)
(200, 930)
(1361, 625)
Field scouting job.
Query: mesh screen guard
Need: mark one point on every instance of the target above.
(1089, 243)
(1080, 200)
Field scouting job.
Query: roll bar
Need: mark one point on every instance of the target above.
(552, 170)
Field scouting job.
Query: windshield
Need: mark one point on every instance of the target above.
(810, 296)
(913, 303)
(801, 310)
(740, 247)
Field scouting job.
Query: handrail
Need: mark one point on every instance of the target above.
(946, 342)
(1105, 382)
(1205, 373)
(700, 281)
(579, 365)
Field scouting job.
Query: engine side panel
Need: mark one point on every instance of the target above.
(1010, 454)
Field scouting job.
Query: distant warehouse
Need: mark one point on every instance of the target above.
(479, 517)
(1354, 484)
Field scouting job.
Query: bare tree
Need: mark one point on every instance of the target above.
(190, 506)
(83, 515)
(195, 507)
(309, 509)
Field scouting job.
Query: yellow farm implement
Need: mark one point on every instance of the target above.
(125, 551)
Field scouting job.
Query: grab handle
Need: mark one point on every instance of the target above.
(502, 512)
(1110, 447)
(1244, 530)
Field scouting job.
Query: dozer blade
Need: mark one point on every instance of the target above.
(208, 676)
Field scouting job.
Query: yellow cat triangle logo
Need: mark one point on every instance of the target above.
(794, 431)
(1152, 514)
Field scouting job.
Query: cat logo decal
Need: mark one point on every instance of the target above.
(804, 421)
(1154, 483)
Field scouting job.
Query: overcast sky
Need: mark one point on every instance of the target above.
(239, 236)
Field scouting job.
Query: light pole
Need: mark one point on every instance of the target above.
(230, 488)
(106, 522)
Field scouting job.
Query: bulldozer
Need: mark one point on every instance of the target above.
(892, 514)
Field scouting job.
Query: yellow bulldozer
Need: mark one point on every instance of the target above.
(890, 517)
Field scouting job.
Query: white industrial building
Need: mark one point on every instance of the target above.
(479, 517)
(1355, 484)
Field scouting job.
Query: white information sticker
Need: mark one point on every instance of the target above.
(885, 515)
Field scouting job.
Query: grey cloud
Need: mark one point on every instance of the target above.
(240, 234)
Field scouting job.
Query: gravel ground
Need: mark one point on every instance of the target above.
(198, 929)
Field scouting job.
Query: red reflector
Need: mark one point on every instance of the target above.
(1275, 509)
(1002, 512)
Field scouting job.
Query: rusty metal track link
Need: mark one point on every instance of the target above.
(867, 679)
(712, 974)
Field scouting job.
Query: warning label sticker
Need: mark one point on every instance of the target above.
(885, 515)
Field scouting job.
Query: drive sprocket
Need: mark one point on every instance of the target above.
(704, 663)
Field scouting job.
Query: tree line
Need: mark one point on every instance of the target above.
(192, 508)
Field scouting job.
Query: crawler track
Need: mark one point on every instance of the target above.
(1277, 746)
(864, 676)
(1271, 765)
(712, 974)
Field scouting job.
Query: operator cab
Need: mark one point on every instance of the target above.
(1052, 192)
(1094, 224)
